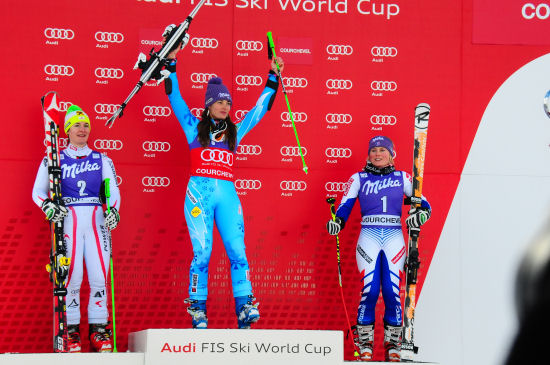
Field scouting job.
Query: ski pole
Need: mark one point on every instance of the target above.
(272, 49)
(107, 196)
(333, 214)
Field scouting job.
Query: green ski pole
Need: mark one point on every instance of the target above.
(107, 196)
(272, 48)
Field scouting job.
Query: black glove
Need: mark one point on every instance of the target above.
(417, 217)
(335, 226)
(54, 212)
(112, 218)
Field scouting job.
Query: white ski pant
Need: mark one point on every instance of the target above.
(380, 258)
(87, 240)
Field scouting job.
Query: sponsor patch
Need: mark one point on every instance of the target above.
(196, 212)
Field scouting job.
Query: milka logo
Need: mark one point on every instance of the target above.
(76, 168)
(374, 187)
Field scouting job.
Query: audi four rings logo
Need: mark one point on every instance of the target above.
(239, 114)
(108, 144)
(105, 108)
(295, 82)
(58, 33)
(248, 184)
(197, 112)
(153, 146)
(292, 151)
(59, 70)
(204, 42)
(383, 85)
(338, 118)
(383, 119)
(249, 45)
(339, 84)
(108, 73)
(222, 156)
(339, 49)
(338, 152)
(336, 187)
(63, 142)
(202, 78)
(156, 111)
(64, 105)
(249, 149)
(155, 181)
(293, 185)
(297, 116)
(109, 37)
(248, 80)
(383, 51)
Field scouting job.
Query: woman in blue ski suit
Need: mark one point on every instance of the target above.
(211, 194)
(381, 250)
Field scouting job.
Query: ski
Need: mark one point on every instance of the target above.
(421, 118)
(152, 68)
(59, 263)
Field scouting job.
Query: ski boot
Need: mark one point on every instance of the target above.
(392, 342)
(73, 338)
(100, 338)
(247, 311)
(197, 310)
(365, 341)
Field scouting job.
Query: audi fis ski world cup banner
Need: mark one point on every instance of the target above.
(354, 69)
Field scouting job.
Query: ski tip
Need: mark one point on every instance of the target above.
(421, 116)
(305, 169)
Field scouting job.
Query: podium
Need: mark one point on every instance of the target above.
(236, 347)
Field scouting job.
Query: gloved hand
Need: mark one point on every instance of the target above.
(172, 27)
(335, 226)
(112, 218)
(417, 217)
(54, 212)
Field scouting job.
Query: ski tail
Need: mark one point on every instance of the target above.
(59, 263)
(421, 119)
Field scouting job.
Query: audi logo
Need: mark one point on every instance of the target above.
(292, 151)
(248, 184)
(249, 45)
(62, 142)
(106, 108)
(339, 84)
(338, 118)
(59, 70)
(152, 146)
(383, 119)
(108, 73)
(293, 185)
(109, 37)
(222, 156)
(197, 112)
(248, 80)
(239, 114)
(297, 116)
(295, 82)
(108, 144)
(204, 42)
(64, 105)
(339, 49)
(244, 149)
(336, 187)
(383, 85)
(338, 152)
(155, 181)
(58, 33)
(202, 78)
(383, 51)
(156, 111)
(118, 180)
